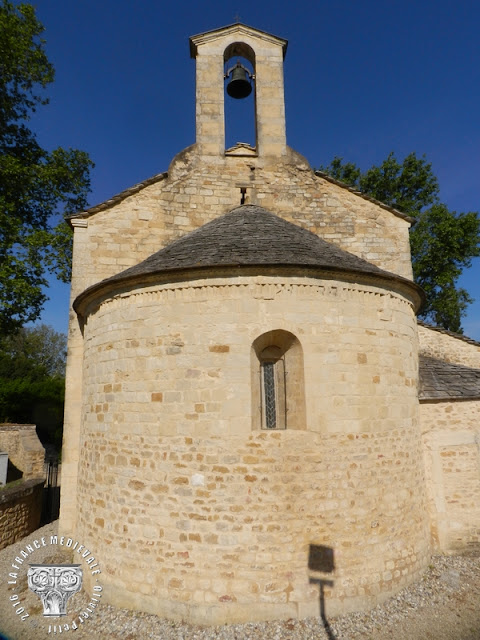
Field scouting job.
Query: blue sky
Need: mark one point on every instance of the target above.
(362, 78)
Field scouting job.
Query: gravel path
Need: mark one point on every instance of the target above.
(444, 605)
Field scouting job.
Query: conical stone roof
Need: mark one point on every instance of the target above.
(247, 236)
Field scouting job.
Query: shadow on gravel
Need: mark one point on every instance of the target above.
(321, 559)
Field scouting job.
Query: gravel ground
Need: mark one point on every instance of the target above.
(444, 605)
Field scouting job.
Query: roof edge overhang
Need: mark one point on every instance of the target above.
(236, 27)
(109, 288)
(450, 334)
(106, 204)
(122, 195)
(440, 399)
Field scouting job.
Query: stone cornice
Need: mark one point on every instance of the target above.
(93, 297)
(236, 28)
(79, 223)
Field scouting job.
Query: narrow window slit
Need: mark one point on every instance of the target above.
(269, 394)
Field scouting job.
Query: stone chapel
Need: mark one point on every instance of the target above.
(253, 412)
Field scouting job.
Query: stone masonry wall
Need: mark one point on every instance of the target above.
(219, 529)
(20, 510)
(194, 514)
(449, 347)
(197, 191)
(24, 448)
(451, 436)
(193, 511)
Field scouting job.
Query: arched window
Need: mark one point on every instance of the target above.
(278, 396)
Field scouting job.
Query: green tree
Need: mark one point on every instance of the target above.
(32, 370)
(442, 242)
(33, 353)
(36, 185)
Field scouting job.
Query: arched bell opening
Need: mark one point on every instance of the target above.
(240, 100)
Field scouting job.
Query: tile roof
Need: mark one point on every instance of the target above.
(440, 380)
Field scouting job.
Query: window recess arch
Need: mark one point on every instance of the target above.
(278, 390)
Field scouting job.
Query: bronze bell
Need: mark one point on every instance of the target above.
(239, 86)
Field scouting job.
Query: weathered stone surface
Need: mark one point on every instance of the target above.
(24, 448)
(451, 435)
(20, 510)
(449, 347)
(225, 498)
(450, 419)
(250, 235)
(195, 511)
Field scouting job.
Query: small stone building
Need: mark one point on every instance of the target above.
(244, 415)
(26, 453)
(21, 498)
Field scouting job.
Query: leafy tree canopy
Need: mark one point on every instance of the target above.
(33, 353)
(35, 184)
(32, 385)
(442, 242)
